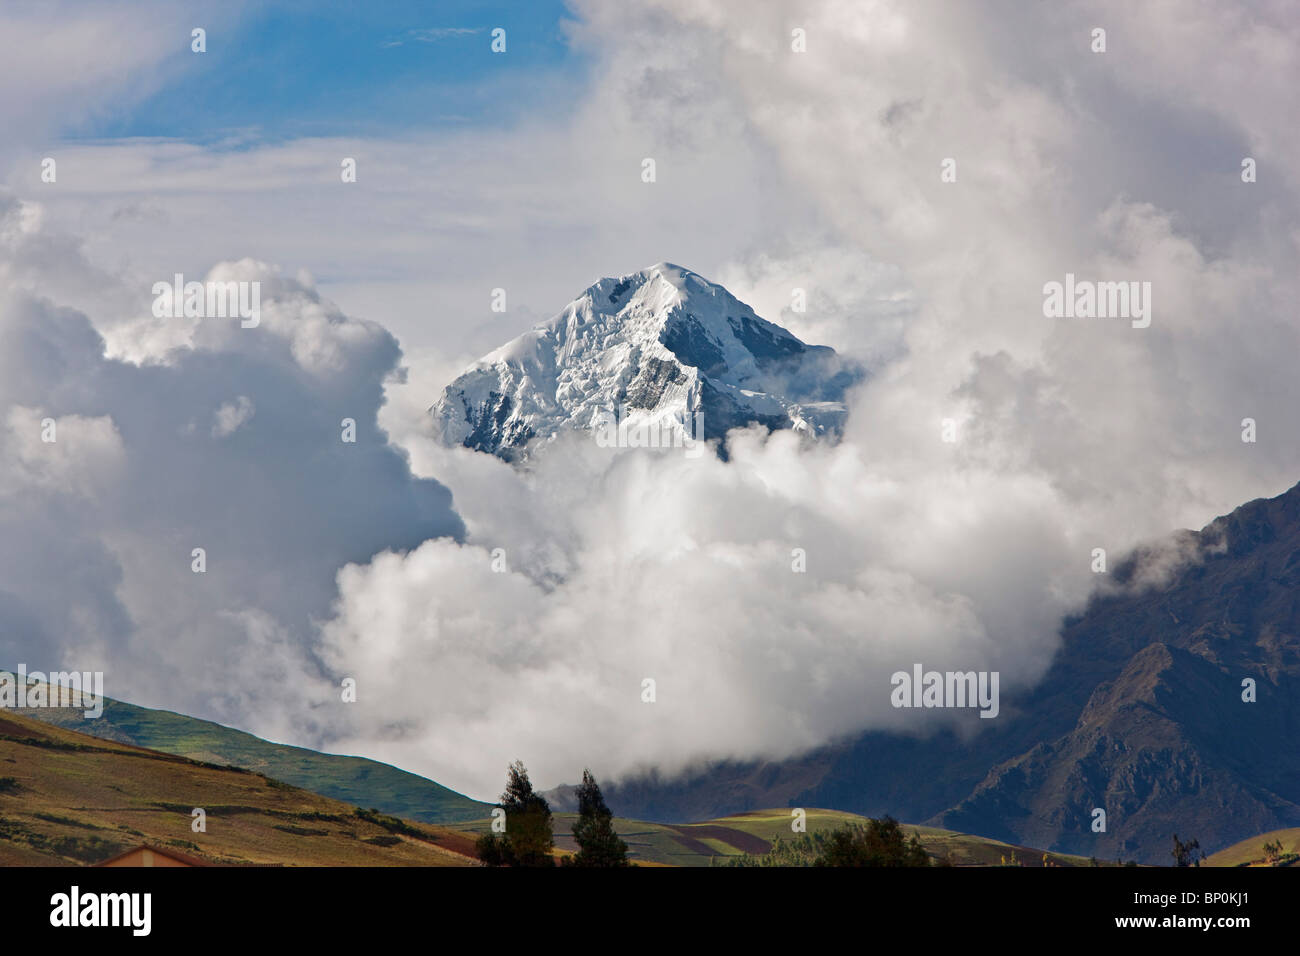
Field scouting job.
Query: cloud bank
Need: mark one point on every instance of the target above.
(115, 472)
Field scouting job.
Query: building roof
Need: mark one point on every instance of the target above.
(179, 857)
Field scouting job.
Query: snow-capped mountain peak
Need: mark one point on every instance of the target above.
(662, 345)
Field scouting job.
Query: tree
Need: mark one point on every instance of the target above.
(598, 843)
(801, 849)
(879, 843)
(1184, 854)
(528, 840)
(1273, 852)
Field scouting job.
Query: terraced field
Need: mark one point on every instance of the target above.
(354, 780)
(698, 844)
(70, 799)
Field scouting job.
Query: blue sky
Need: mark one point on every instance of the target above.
(292, 68)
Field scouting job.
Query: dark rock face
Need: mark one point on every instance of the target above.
(648, 387)
(722, 412)
(762, 344)
(690, 341)
(491, 426)
(1141, 715)
(619, 290)
(1167, 746)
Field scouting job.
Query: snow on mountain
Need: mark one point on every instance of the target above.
(662, 346)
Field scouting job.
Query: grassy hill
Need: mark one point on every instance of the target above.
(354, 780)
(697, 844)
(70, 799)
(1251, 852)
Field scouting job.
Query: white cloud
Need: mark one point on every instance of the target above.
(231, 415)
(110, 512)
(658, 566)
(47, 457)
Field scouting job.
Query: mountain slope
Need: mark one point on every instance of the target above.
(1251, 852)
(658, 346)
(355, 780)
(1154, 749)
(68, 798)
(1141, 714)
(1164, 736)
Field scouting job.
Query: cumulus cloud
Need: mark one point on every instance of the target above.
(115, 472)
(597, 571)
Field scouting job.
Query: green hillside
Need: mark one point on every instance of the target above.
(1251, 852)
(69, 799)
(354, 780)
(702, 844)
